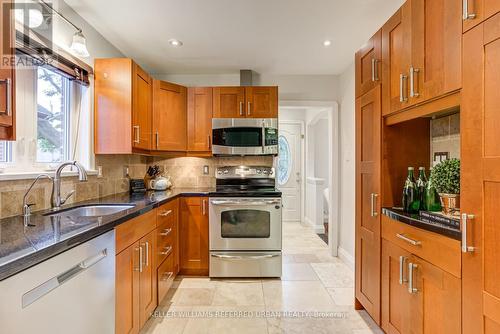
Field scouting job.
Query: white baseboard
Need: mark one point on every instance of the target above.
(346, 257)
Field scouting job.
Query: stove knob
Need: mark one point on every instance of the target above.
(226, 171)
(266, 172)
(259, 171)
(219, 172)
(271, 172)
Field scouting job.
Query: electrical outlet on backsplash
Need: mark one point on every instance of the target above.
(187, 172)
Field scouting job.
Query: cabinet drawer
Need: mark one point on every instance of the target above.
(166, 277)
(439, 250)
(166, 244)
(168, 213)
(131, 231)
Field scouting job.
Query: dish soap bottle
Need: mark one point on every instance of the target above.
(411, 203)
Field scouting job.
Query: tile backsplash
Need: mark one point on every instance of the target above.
(445, 137)
(186, 172)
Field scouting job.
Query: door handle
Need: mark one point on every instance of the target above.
(136, 134)
(402, 279)
(241, 108)
(465, 219)
(373, 204)
(209, 141)
(466, 14)
(374, 70)
(140, 259)
(166, 232)
(236, 257)
(411, 268)
(204, 207)
(8, 95)
(413, 92)
(165, 213)
(166, 276)
(249, 109)
(146, 244)
(166, 251)
(402, 97)
(409, 240)
(157, 139)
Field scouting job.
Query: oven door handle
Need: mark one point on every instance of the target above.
(245, 203)
(237, 257)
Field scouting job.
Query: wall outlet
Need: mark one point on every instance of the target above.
(206, 170)
(125, 171)
(99, 171)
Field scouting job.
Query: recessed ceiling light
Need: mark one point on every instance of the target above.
(174, 42)
(327, 42)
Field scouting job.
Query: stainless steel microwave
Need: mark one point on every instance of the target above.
(245, 136)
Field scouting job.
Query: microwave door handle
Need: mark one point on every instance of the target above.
(263, 138)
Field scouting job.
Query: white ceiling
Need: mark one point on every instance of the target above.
(223, 36)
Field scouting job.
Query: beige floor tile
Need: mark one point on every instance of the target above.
(342, 296)
(194, 282)
(334, 275)
(306, 258)
(238, 293)
(297, 296)
(167, 319)
(298, 272)
(193, 296)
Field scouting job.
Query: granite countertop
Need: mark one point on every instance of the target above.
(417, 221)
(46, 236)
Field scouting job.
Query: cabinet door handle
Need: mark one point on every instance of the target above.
(140, 259)
(465, 219)
(136, 134)
(166, 276)
(402, 96)
(408, 240)
(374, 70)
(241, 108)
(373, 204)
(413, 92)
(466, 14)
(165, 213)
(411, 268)
(166, 232)
(167, 250)
(249, 108)
(209, 138)
(8, 95)
(204, 209)
(146, 244)
(402, 279)
(157, 139)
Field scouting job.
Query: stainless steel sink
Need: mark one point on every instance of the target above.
(94, 210)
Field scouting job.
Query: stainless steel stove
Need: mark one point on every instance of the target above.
(245, 223)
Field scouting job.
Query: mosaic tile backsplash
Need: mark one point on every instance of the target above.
(185, 173)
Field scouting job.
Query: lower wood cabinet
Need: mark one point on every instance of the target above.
(136, 274)
(193, 236)
(417, 296)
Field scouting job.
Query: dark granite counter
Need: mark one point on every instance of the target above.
(417, 221)
(45, 236)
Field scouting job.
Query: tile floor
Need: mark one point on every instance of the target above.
(312, 282)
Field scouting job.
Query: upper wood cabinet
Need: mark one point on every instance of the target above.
(369, 64)
(193, 237)
(169, 116)
(476, 11)
(480, 178)
(241, 102)
(421, 53)
(368, 189)
(122, 107)
(396, 60)
(200, 104)
(436, 36)
(7, 75)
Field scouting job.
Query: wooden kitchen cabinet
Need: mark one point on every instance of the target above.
(368, 188)
(193, 238)
(396, 314)
(169, 116)
(136, 280)
(200, 104)
(436, 44)
(122, 107)
(477, 11)
(245, 102)
(480, 178)
(7, 74)
(368, 65)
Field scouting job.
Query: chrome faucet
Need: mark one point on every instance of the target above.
(27, 206)
(57, 201)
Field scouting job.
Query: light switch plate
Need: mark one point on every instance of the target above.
(206, 170)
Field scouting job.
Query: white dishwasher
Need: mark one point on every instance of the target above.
(73, 292)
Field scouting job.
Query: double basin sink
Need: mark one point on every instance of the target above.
(92, 210)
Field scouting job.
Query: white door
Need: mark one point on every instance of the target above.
(289, 169)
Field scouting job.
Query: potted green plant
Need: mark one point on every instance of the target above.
(446, 179)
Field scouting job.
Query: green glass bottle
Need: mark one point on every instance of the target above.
(431, 196)
(421, 184)
(411, 203)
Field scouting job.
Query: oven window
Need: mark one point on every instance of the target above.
(238, 137)
(245, 224)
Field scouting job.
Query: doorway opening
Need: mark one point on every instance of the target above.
(308, 167)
